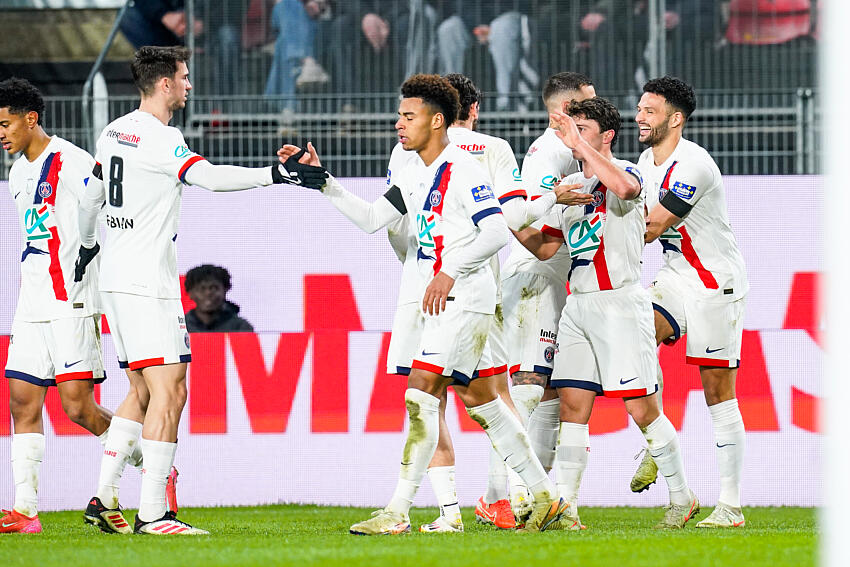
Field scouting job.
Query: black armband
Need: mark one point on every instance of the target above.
(393, 195)
(675, 204)
(97, 171)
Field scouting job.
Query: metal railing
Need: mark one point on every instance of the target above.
(747, 133)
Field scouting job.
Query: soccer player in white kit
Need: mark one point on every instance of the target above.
(143, 164)
(701, 289)
(55, 332)
(605, 334)
(534, 291)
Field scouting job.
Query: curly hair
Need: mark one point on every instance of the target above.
(435, 91)
(678, 94)
(564, 82)
(21, 97)
(467, 92)
(601, 111)
(152, 63)
(206, 272)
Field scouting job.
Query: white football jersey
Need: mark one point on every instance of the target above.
(47, 194)
(496, 156)
(547, 161)
(446, 200)
(144, 163)
(701, 248)
(604, 240)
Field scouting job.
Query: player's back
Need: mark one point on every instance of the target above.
(547, 161)
(702, 248)
(495, 155)
(143, 163)
(47, 193)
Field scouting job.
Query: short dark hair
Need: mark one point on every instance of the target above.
(564, 82)
(20, 97)
(601, 111)
(206, 272)
(435, 91)
(678, 94)
(151, 63)
(468, 93)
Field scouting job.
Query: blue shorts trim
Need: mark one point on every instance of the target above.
(16, 375)
(123, 364)
(543, 370)
(461, 379)
(185, 358)
(677, 332)
(580, 384)
(403, 370)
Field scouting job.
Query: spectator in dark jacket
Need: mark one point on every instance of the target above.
(207, 286)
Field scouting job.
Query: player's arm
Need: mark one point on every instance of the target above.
(90, 204)
(223, 178)
(542, 243)
(661, 218)
(622, 183)
(520, 213)
(492, 236)
(687, 183)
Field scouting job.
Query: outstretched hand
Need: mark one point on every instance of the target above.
(566, 129)
(571, 194)
(309, 157)
(297, 167)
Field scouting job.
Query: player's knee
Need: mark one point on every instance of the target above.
(24, 409)
(643, 413)
(77, 411)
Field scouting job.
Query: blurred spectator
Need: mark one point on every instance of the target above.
(501, 25)
(294, 64)
(207, 286)
(222, 39)
(156, 22)
(768, 22)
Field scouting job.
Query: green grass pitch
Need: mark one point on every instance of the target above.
(312, 535)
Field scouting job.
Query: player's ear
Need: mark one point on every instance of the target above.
(437, 120)
(677, 119)
(607, 136)
(31, 118)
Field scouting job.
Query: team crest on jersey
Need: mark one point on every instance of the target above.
(435, 198)
(585, 235)
(186, 339)
(598, 197)
(549, 354)
(45, 189)
(482, 193)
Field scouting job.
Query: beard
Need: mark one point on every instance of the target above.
(656, 135)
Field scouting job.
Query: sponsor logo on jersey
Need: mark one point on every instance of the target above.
(34, 222)
(548, 337)
(531, 150)
(549, 354)
(435, 197)
(548, 182)
(45, 189)
(182, 151)
(124, 139)
(585, 235)
(426, 225)
(118, 222)
(482, 193)
(475, 149)
(517, 175)
(683, 190)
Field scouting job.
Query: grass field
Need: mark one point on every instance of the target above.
(311, 535)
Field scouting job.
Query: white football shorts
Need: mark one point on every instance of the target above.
(715, 327)
(607, 343)
(494, 359)
(452, 343)
(532, 306)
(404, 339)
(147, 331)
(50, 352)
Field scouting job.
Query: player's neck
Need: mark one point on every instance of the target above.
(157, 108)
(39, 142)
(434, 147)
(662, 150)
(468, 124)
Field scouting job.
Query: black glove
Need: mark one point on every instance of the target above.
(295, 173)
(83, 259)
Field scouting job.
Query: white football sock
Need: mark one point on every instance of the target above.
(664, 448)
(730, 439)
(543, 427)
(511, 442)
(27, 454)
(443, 482)
(159, 456)
(423, 411)
(121, 442)
(497, 479)
(659, 375)
(526, 397)
(571, 459)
